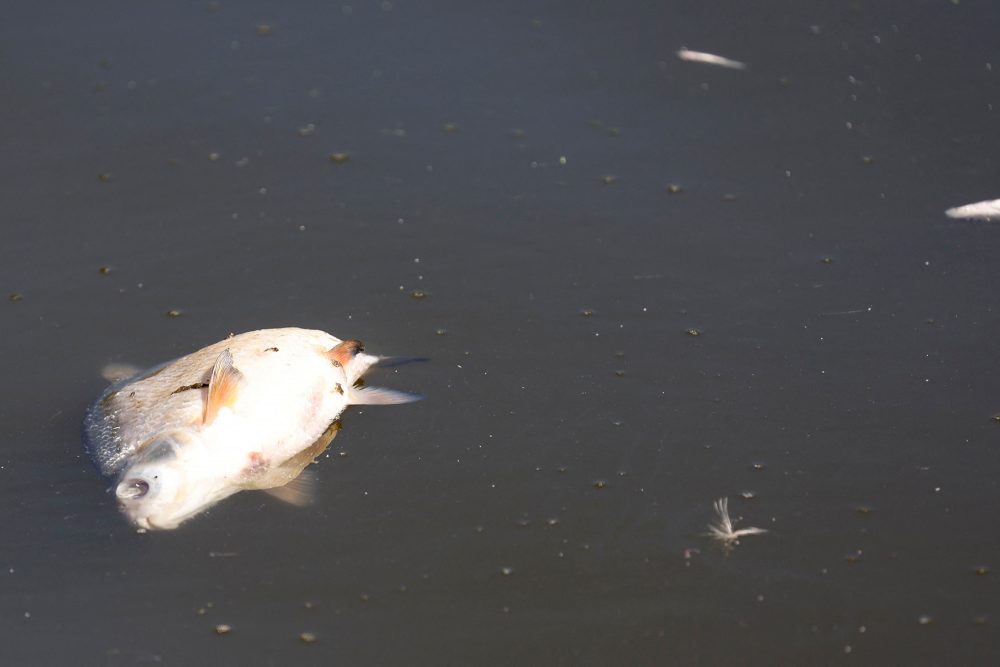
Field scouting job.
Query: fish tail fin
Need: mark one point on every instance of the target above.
(381, 396)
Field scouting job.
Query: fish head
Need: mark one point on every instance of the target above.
(158, 491)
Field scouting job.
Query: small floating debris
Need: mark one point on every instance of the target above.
(864, 510)
(722, 530)
(693, 332)
(982, 570)
(440, 332)
(104, 270)
(418, 294)
(307, 637)
(867, 159)
(104, 177)
(264, 29)
(14, 296)
(339, 158)
(826, 260)
(995, 418)
(600, 484)
(587, 312)
(506, 571)
(449, 128)
(174, 312)
(609, 179)
(983, 210)
(223, 629)
(306, 130)
(674, 189)
(709, 59)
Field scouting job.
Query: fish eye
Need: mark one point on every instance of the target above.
(159, 451)
(132, 488)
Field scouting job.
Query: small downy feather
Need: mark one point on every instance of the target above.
(223, 388)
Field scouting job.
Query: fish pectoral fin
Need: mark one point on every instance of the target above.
(300, 492)
(224, 387)
(381, 396)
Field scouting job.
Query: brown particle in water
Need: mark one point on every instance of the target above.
(174, 312)
(620, 373)
(995, 418)
(826, 260)
(449, 128)
(104, 177)
(867, 159)
(264, 29)
(307, 637)
(674, 189)
(758, 465)
(418, 294)
(506, 571)
(693, 332)
(441, 332)
(853, 557)
(339, 157)
(223, 629)
(982, 570)
(609, 179)
(864, 510)
(14, 296)
(104, 270)
(586, 312)
(600, 484)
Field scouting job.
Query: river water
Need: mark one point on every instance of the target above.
(643, 284)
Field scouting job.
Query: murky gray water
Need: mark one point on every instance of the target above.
(512, 162)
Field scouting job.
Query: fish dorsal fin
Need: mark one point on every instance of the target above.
(298, 492)
(224, 387)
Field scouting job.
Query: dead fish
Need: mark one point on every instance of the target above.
(981, 210)
(709, 59)
(249, 412)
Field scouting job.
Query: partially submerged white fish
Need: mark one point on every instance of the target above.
(981, 210)
(709, 59)
(249, 412)
(722, 529)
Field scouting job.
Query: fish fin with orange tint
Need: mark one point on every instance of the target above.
(343, 352)
(224, 387)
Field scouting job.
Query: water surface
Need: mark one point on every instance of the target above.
(513, 164)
